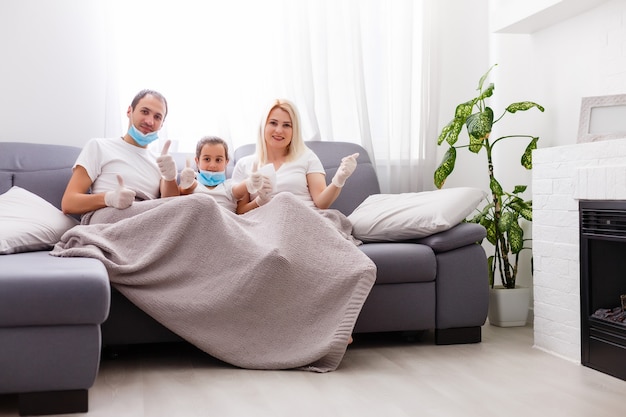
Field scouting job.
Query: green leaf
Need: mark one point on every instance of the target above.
(492, 232)
(484, 77)
(450, 133)
(507, 219)
(516, 238)
(523, 208)
(475, 144)
(523, 106)
(446, 167)
(464, 110)
(487, 93)
(526, 211)
(495, 187)
(479, 124)
(527, 157)
(490, 266)
(519, 189)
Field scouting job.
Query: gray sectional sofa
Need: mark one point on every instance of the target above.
(57, 313)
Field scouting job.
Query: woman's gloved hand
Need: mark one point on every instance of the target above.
(347, 167)
(265, 193)
(255, 181)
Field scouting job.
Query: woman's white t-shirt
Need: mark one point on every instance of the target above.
(290, 177)
(223, 194)
(104, 158)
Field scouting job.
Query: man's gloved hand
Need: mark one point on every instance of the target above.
(166, 163)
(265, 192)
(255, 181)
(347, 167)
(121, 198)
(187, 176)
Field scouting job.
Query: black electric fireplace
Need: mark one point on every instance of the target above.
(603, 286)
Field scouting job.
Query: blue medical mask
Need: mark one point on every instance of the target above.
(142, 139)
(210, 178)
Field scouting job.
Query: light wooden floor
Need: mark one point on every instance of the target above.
(502, 376)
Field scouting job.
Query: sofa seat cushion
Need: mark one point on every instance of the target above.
(400, 263)
(37, 289)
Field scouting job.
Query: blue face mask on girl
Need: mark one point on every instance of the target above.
(210, 178)
(142, 139)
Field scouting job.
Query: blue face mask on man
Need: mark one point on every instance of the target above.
(142, 139)
(210, 178)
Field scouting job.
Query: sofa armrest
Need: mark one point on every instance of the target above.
(460, 235)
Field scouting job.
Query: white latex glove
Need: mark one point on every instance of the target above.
(265, 192)
(255, 181)
(166, 163)
(347, 167)
(121, 198)
(187, 176)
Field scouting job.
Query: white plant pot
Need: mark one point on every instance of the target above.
(508, 307)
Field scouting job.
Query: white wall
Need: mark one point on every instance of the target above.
(52, 71)
(463, 54)
(582, 54)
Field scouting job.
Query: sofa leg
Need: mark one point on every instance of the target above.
(458, 335)
(53, 402)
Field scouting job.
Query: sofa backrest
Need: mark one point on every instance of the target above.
(362, 183)
(45, 169)
(42, 169)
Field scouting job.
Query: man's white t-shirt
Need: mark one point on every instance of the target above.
(223, 194)
(104, 158)
(290, 177)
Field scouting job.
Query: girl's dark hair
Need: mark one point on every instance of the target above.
(211, 140)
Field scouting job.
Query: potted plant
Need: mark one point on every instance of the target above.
(504, 211)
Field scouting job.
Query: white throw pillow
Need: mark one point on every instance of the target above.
(396, 217)
(29, 223)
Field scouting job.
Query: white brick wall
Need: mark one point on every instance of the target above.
(560, 177)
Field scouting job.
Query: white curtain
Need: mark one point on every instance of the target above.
(358, 70)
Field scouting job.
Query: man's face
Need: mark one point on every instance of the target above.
(148, 114)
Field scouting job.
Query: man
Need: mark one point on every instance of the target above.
(117, 171)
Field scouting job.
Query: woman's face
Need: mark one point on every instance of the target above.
(278, 129)
(212, 158)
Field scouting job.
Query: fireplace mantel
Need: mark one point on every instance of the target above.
(562, 176)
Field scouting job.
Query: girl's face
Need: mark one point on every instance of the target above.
(212, 158)
(278, 129)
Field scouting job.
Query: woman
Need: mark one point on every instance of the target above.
(298, 169)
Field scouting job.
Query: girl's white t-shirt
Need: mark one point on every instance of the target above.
(222, 193)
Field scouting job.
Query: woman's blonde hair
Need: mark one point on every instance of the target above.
(297, 146)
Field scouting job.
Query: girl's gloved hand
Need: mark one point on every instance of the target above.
(187, 176)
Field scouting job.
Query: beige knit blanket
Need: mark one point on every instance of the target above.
(280, 287)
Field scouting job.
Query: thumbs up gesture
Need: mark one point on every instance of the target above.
(166, 163)
(255, 181)
(347, 167)
(121, 198)
(187, 176)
